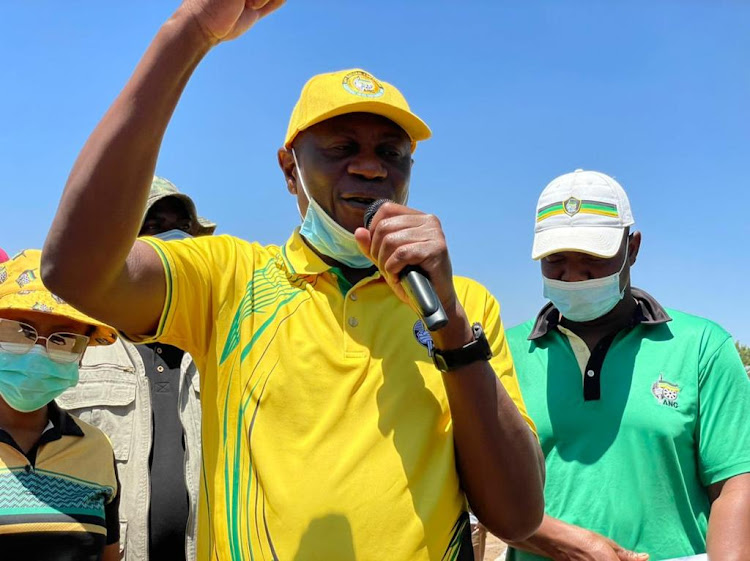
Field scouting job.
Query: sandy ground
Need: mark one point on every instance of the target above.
(493, 548)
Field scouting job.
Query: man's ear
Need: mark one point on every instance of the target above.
(634, 246)
(288, 168)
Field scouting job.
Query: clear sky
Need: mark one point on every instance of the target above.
(656, 94)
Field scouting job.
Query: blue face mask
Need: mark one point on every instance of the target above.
(326, 235)
(585, 300)
(172, 235)
(30, 381)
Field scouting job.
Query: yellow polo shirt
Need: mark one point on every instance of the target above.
(326, 427)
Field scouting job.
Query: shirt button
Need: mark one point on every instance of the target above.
(160, 368)
(353, 322)
(158, 350)
(353, 296)
(590, 373)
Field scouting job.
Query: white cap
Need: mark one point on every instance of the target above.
(584, 211)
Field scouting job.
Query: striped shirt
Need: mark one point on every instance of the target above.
(59, 500)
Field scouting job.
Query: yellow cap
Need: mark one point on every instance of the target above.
(21, 288)
(352, 91)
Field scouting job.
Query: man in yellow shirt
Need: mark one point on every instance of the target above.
(328, 430)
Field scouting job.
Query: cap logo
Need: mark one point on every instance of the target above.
(572, 206)
(362, 84)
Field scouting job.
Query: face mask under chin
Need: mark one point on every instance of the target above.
(326, 235)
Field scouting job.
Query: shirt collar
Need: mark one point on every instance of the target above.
(301, 259)
(647, 312)
(63, 421)
(60, 423)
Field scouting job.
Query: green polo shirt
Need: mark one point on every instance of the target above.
(632, 439)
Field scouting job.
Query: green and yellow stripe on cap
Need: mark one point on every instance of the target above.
(573, 206)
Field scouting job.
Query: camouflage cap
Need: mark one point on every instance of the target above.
(21, 288)
(162, 188)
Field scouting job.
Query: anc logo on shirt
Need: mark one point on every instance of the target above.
(423, 336)
(666, 393)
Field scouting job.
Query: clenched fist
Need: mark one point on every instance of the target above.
(223, 20)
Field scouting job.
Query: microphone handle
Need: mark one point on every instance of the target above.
(422, 296)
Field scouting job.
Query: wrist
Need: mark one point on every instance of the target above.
(189, 27)
(557, 540)
(457, 332)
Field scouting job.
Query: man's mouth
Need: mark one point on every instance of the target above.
(359, 202)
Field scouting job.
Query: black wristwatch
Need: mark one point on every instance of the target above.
(478, 349)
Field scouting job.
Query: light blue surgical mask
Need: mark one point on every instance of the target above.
(173, 234)
(31, 380)
(326, 235)
(585, 300)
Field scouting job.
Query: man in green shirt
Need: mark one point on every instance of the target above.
(641, 411)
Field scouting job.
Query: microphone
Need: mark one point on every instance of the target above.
(416, 284)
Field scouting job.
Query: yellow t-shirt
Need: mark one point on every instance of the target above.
(326, 427)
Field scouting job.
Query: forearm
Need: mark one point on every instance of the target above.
(729, 524)
(563, 542)
(101, 209)
(549, 540)
(499, 459)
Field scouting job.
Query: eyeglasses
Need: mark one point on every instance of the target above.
(19, 338)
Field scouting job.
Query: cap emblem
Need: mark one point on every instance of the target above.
(362, 84)
(572, 206)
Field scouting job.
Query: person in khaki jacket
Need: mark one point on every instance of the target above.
(146, 399)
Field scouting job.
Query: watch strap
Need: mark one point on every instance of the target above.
(476, 350)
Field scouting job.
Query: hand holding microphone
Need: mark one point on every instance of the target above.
(414, 281)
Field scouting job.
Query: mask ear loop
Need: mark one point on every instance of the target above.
(619, 275)
(406, 195)
(301, 182)
(622, 268)
(299, 174)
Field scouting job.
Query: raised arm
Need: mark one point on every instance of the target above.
(90, 258)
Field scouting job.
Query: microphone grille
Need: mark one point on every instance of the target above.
(372, 209)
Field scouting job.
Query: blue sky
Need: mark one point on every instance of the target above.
(653, 93)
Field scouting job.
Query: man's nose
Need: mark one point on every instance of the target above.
(367, 166)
